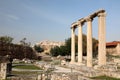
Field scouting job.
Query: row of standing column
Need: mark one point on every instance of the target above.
(101, 46)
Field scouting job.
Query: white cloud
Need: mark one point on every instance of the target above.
(12, 17)
(8, 17)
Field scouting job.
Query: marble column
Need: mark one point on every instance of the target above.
(72, 45)
(102, 39)
(80, 43)
(89, 42)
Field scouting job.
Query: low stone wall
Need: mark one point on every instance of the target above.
(23, 78)
(52, 76)
(86, 71)
(112, 74)
(68, 76)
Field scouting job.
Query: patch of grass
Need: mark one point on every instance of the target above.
(23, 72)
(118, 67)
(117, 56)
(31, 67)
(56, 62)
(105, 78)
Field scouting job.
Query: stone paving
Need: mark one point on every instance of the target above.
(74, 72)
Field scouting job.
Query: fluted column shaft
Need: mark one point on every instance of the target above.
(72, 45)
(102, 40)
(80, 43)
(89, 42)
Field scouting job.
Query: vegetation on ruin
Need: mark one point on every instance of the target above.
(56, 62)
(105, 78)
(24, 72)
(118, 67)
(117, 56)
(24, 66)
(66, 49)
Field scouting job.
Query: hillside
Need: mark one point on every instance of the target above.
(47, 45)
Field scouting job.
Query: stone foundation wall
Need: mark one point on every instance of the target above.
(23, 78)
(52, 76)
(68, 76)
(64, 76)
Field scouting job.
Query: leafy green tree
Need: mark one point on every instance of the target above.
(15, 50)
(25, 46)
(95, 47)
(38, 48)
(24, 43)
(66, 49)
(6, 40)
(55, 51)
(5, 44)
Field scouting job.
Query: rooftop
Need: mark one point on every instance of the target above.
(114, 43)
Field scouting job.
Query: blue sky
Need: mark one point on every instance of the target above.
(39, 20)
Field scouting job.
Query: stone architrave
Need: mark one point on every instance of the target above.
(89, 42)
(102, 40)
(79, 43)
(73, 45)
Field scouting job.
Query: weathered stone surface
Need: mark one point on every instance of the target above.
(68, 76)
(5, 66)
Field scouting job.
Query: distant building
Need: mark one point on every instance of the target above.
(113, 48)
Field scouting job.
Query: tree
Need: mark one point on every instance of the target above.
(6, 40)
(55, 51)
(38, 48)
(66, 49)
(15, 50)
(5, 44)
(24, 43)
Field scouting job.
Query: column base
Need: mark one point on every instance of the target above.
(72, 62)
(90, 66)
(80, 64)
(77, 63)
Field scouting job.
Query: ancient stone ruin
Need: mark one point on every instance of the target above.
(74, 70)
(102, 41)
(5, 66)
(102, 67)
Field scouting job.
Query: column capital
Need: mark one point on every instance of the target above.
(80, 24)
(102, 14)
(74, 25)
(88, 19)
(81, 21)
